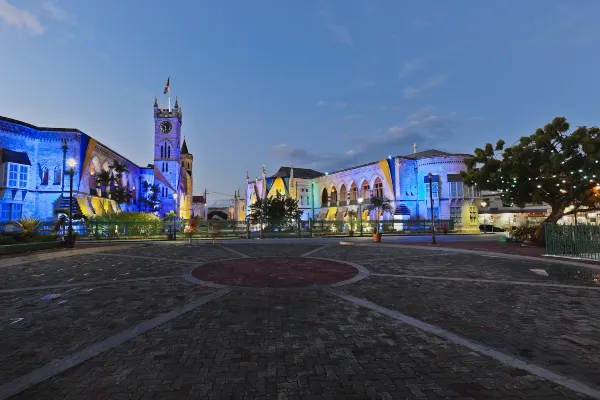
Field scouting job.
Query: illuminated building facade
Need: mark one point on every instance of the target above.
(33, 182)
(402, 179)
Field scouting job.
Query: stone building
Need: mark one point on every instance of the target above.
(34, 180)
(402, 179)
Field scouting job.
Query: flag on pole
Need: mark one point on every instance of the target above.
(167, 86)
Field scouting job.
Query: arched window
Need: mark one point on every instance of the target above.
(182, 164)
(333, 195)
(353, 192)
(324, 198)
(162, 151)
(343, 193)
(378, 188)
(168, 151)
(57, 175)
(365, 190)
(44, 175)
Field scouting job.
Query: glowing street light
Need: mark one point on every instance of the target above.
(360, 200)
(71, 163)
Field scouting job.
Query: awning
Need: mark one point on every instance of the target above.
(455, 178)
(16, 157)
(434, 178)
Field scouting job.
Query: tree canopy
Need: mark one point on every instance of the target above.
(550, 166)
(276, 208)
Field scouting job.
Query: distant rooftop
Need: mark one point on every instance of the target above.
(302, 173)
(433, 153)
(38, 128)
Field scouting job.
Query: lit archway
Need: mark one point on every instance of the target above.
(324, 197)
(378, 188)
(365, 190)
(353, 192)
(343, 193)
(333, 196)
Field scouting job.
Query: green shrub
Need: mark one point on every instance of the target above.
(5, 239)
(523, 233)
(28, 227)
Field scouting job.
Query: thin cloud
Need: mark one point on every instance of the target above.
(366, 83)
(410, 67)
(20, 18)
(339, 105)
(341, 34)
(414, 91)
(57, 13)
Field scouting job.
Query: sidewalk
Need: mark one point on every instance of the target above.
(497, 247)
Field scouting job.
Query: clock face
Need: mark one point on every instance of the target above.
(165, 127)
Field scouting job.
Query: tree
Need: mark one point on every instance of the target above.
(382, 204)
(278, 208)
(550, 166)
(103, 178)
(118, 169)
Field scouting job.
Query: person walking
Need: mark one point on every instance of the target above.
(215, 231)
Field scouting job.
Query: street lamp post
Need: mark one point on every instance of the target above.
(360, 200)
(64, 166)
(431, 207)
(484, 204)
(71, 163)
(174, 218)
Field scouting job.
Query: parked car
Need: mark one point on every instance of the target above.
(490, 228)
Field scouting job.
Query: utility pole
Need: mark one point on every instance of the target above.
(205, 205)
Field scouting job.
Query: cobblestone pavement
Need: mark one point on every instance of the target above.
(299, 344)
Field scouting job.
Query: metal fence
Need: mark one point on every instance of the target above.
(581, 241)
(118, 230)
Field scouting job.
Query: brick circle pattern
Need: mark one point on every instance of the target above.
(274, 272)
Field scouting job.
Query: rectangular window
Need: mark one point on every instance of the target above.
(13, 171)
(456, 190)
(473, 215)
(456, 214)
(5, 212)
(436, 212)
(23, 176)
(472, 192)
(17, 211)
(435, 193)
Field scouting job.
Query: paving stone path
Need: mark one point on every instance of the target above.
(423, 324)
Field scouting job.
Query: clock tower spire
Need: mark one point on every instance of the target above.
(167, 145)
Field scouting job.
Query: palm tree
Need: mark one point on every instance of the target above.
(118, 169)
(382, 204)
(351, 217)
(103, 178)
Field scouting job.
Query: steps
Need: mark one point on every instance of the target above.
(64, 204)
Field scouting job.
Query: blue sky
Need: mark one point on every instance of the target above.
(322, 84)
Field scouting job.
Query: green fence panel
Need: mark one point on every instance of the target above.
(581, 241)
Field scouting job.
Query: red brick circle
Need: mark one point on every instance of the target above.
(274, 272)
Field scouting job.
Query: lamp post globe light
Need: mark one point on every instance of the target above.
(484, 205)
(430, 175)
(71, 163)
(175, 217)
(360, 200)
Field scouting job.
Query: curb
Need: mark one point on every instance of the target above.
(478, 252)
(10, 262)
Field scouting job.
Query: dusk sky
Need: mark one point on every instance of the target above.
(322, 84)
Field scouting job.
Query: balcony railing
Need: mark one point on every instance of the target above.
(353, 202)
(342, 203)
(332, 203)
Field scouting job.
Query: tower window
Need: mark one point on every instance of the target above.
(57, 176)
(167, 167)
(162, 151)
(168, 151)
(44, 175)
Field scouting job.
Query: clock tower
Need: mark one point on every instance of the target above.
(167, 144)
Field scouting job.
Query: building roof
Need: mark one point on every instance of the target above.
(433, 153)
(198, 199)
(16, 157)
(302, 173)
(38, 128)
(184, 149)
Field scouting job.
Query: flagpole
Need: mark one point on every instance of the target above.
(169, 98)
